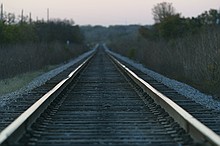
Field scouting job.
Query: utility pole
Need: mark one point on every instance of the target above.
(48, 14)
(22, 16)
(2, 12)
(30, 19)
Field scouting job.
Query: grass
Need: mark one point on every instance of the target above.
(19, 81)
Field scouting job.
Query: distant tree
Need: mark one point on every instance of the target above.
(172, 27)
(10, 18)
(209, 17)
(148, 32)
(21, 30)
(58, 30)
(162, 11)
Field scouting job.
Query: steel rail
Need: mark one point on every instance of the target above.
(199, 132)
(19, 126)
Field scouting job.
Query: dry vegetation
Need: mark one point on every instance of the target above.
(27, 45)
(13, 84)
(18, 59)
(194, 59)
(186, 49)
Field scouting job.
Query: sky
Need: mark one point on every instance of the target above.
(105, 12)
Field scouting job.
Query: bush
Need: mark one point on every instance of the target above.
(28, 46)
(18, 59)
(194, 59)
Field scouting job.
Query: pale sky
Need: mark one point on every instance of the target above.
(105, 12)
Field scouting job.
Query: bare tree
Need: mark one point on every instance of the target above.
(162, 11)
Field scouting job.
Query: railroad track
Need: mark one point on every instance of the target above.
(103, 103)
(209, 117)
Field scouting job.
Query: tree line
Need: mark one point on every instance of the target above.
(185, 49)
(169, 24)
(22, 30)
(27, 45)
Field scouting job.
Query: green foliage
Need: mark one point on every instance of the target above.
(21, 58)
(209, 17)
(172, 25)
(148, 32)
(17, 33)
(131, 53)
(12, 32)
(58, 31)
(194, 58)
(97, 34)
(28, 46)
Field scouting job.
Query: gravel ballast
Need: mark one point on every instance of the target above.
(181, 88)
(7, 98)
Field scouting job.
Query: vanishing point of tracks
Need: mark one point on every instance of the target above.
(100, 103)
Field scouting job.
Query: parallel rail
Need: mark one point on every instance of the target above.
(196, 129)
(17, 128)
(199, 132)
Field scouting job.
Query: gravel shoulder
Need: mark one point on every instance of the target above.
(40, 80)
(182, 88)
